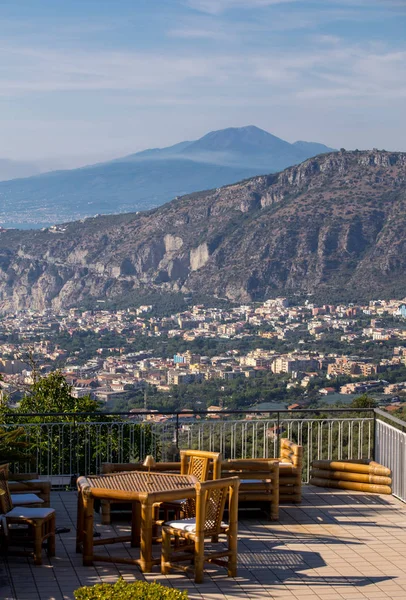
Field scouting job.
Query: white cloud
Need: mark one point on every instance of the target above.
(328, 69)
(216, 7)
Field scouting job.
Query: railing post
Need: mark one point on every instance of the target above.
(177, 431)
(278, 433)
(374, 437)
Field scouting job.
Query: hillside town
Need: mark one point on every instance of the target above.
(273, 337)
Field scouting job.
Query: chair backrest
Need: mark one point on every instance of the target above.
(211, 499)
(291, 452)
(250, 469)
(198, 462)
(5, 499)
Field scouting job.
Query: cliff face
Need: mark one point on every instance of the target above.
(336, 221)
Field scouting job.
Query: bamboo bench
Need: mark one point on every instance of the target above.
(290, 470)
(259, 482)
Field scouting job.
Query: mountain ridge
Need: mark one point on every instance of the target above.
(334, 223)
(143, 180)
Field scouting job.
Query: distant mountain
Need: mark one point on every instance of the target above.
(334, 226)
(239, 146)
(149, 178)
(13, 169)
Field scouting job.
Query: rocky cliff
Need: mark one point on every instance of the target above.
(336, 222)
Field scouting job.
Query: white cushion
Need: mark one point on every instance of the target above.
(183, 524)
(186, 524)
(287, 464)
(24, 499)
(24, 512)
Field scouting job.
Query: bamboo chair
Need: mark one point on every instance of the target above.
(26, 524)
(198, 463)
(211, 498)
(22, 499)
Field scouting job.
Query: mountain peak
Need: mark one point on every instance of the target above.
(248, 139)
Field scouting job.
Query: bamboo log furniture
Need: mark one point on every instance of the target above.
(210, 503)
(200, 464)
(132, 487)
(107, 505)
(290, 471)
(357, 475)
(290, 476)
(39, 524)
(259, 482)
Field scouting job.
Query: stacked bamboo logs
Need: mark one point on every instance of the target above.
(356, 475)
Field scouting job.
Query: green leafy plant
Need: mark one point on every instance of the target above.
(122, 590)
(12, 446)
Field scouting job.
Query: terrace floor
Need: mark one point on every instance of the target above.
(335, 545)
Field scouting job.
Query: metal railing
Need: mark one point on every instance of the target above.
(390, 450)
(63, 445)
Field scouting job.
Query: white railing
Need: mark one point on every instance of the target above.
(330, 438)
(62, 449)
(390, 451)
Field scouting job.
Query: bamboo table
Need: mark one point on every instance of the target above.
(144, 491)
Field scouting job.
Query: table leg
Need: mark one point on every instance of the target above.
(87, 530)
(147, 509)
(80, 522)
(136, 525)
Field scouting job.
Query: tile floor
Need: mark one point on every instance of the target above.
(334, 546)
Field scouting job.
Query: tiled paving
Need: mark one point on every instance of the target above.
(335, 545)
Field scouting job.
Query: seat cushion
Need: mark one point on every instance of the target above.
(25, 499)
(187, 524)
(183, 524)
(25, 512)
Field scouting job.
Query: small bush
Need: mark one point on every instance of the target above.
(121, 590)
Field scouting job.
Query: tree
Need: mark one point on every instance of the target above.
(53, 394)
(11, 445)
(68, 444)
(364, 401)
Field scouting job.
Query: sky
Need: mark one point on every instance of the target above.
(87, 80)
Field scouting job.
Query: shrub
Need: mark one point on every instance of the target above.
(121, 590)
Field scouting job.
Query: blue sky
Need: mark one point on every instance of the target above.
(83, 80)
